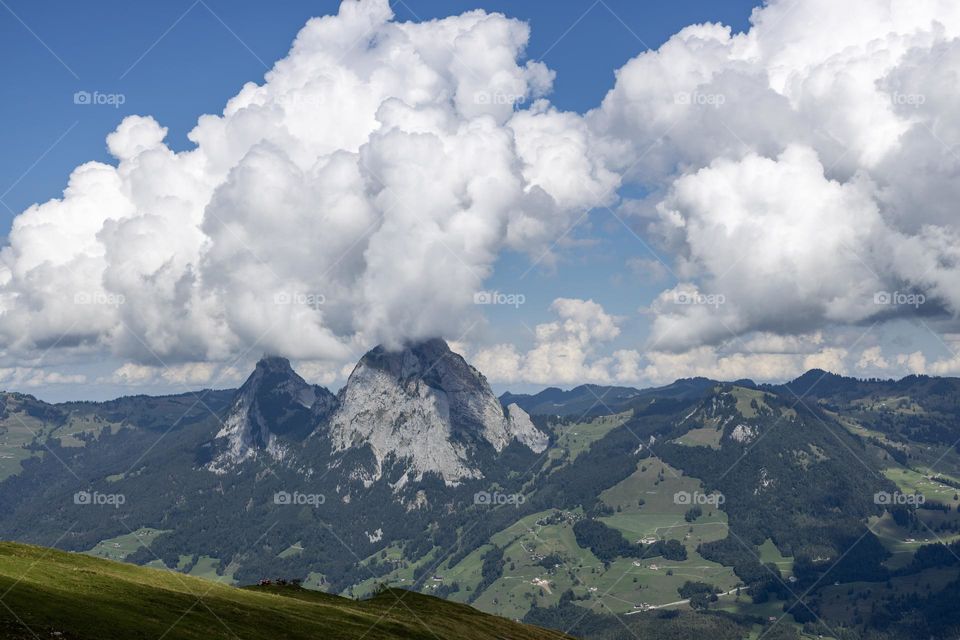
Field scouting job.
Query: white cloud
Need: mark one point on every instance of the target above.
(188, 374)
(944, 365)
(565, 351)
(134, 374)
(15, 377)
(360, 194)
(664, 367)
(872, 358)
(325, 374)
(829, 359)
(366, 189)
(797, 169)
(776, 242)
(914, 362)
(758, 356)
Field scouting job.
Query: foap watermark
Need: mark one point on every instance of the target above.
(496, 498)
(99, 99)
(697, 298)
(898, 298)
(99, 298)
(697, 99)
(897, 499)
(496, 297)
(299, 99)
(299, 499)
(312, 300)
(499, 97)
(914, 100)
(99, 499)
(698, 498)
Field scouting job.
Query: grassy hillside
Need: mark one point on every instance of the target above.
(49, 593)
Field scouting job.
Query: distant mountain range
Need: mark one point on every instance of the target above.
(562, 507)
(591, 400)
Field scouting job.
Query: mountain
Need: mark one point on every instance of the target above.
(912, 409)
(426, 406)
(591, 400)
(52, 594)
(585, 399)
(274, 409)
(27, 424)
(422, 407)
(784, 469)
(544, 507)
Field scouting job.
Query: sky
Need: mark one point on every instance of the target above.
(612, 192)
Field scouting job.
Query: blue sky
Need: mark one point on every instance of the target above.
(735, 168)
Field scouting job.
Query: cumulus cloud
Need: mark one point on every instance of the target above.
(873, 358)
(796, 170)
(760, 356)
(37, 377)
(775, 242)
(188, 374)
(566, 351)
(360, 194)
(573, 349)
(798, 178)
(946, 363)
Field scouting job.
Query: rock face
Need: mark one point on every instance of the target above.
(743, 433)
(523, 430)
(272, 409)
(422, 407)
(426, 406)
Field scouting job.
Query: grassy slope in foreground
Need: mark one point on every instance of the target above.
(82, 597)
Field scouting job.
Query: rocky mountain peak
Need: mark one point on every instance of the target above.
(421, 406)
(274, 407)
(430, 360)
(425, 404)
(278, 364)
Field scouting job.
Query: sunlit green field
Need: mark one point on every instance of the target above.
(51, 593)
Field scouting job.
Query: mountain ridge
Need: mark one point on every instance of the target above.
(422, 404)
(77, 597)
(517, 530)
(273, 406)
